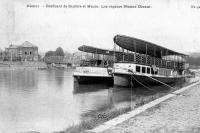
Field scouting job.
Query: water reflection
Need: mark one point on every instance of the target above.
(84, 88)
(56, 76)
(20, 81)
(59, 77)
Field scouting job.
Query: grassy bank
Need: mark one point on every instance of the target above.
(97, 119)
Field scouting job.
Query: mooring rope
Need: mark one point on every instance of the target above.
(132, 75)
(144, 85)
(160, 82)
(131, 92)
(153, 79)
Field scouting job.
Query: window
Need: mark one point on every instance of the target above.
(137, 68)
(156, 72)
(152, 72)
(148, 70)
(143, 69)
(25, 53)
(30, 52)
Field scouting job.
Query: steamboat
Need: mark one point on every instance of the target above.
(95, 66)
(141, 62)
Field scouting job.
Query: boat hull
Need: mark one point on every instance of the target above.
(125, 80)
(93, 79)
(90, 75)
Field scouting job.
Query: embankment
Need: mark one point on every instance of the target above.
(22, 65)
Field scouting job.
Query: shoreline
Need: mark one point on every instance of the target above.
(29, 65)
(22, 65)
(179, 113)
(110, 116)
(128, 115)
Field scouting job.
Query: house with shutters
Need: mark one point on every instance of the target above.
(24, 52)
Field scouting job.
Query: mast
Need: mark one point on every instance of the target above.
(114, 50)
(135, 52)
(123, 54)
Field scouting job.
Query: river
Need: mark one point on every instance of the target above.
(48, 100)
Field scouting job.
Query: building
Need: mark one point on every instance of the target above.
(1, 54)
(24, 52)
(11, 53)
(28, 51)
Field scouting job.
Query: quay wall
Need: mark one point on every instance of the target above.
(32, 64)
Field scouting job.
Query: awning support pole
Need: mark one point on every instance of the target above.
(135, 50)
(114, 51)
(146, 53)
(154, 53)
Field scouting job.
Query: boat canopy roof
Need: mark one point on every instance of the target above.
(90, 49)
(143, 47)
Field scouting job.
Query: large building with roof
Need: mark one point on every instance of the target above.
(24, 52)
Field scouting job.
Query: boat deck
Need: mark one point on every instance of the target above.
(92, 75)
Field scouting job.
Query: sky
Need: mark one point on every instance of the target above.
(170, 23)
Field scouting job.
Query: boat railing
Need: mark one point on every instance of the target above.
(97, 63)
(92, 70)
(148, 60)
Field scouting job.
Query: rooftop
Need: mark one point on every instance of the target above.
(143, 47)
(27, 44)
(13, 46)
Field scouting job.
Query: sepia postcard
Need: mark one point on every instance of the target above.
(99, 66)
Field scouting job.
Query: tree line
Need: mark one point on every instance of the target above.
(56, 56)
(194, 61)
(59, 52)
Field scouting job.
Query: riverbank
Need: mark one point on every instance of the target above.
(99, 117)
(177, 114)
(22, 65)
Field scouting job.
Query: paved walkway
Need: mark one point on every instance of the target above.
(178, 114)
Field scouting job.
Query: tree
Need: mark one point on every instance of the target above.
(49, 53)
(194, 61)
(59, 52)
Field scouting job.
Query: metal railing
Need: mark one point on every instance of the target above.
(148, 60)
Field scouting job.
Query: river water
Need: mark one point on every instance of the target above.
(48, 100)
